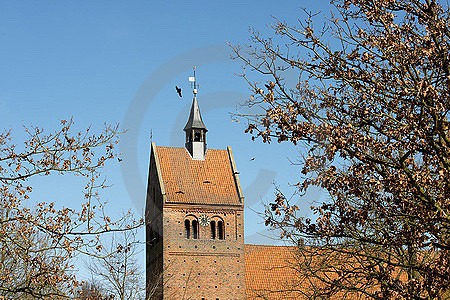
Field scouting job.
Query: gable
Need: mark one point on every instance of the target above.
(211, 181)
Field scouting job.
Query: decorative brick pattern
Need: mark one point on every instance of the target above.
(203, 268)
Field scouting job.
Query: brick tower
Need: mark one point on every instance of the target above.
(194, 220)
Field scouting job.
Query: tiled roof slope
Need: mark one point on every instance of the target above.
(275, 273)
(269, 272)
(209, 181)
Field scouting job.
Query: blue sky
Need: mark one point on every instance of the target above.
(118, 62)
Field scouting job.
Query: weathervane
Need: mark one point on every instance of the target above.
(194, 83)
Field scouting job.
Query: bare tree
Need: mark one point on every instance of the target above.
(370, 114)
(92, 291)
(117, 267)
(38, 244)
(28, 264)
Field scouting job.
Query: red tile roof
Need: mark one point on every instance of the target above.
(278, 272)
(209, 181)
(269, 272)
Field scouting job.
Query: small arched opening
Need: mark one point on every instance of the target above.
(220, 230)
(213, 230)
(194, 229)
(197, 136)
(187, 228)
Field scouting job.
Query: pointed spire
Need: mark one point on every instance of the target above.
(195, 118)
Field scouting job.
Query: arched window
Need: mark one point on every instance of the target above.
(191, 227)
(187, 228)
(217, 228)
(194, 229)
(197, 136)
(213, 230)
(220, 230)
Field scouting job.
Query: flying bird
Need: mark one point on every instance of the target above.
(178, 91)
(253, 158)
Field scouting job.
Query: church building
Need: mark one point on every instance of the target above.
(195, 224)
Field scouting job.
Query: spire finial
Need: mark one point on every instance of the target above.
(194, 83)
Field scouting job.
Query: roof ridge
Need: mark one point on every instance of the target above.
(186, 150)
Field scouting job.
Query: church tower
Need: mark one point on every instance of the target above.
(194, 220)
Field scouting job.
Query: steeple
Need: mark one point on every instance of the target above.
(195, 118)
(195, 128)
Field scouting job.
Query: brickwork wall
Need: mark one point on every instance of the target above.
(188, 268)
(203, 268)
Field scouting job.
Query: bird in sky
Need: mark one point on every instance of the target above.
(253, 158)
(178, 91)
